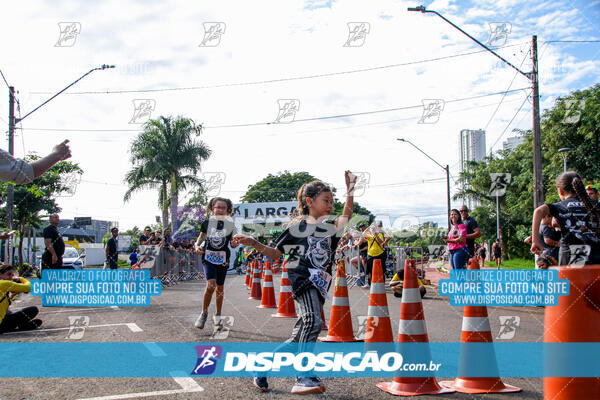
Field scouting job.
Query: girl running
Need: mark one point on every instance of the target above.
(216, 232)
(580, 233)
(310, 244)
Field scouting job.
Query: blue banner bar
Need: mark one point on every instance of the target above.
(247, 359)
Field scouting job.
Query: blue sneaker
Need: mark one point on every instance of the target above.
(261, 383)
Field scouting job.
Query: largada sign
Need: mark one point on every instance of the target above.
(255, 212)
(263, 213)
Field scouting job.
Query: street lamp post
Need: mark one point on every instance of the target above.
(12, 121)
(538, 187)
(446, 168)
(563, 152)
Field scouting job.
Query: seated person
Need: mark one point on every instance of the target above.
(24, 319)
(398, 281)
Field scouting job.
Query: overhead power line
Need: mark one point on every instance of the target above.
(266, 81)
(296, 120)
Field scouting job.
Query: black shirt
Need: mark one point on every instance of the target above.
(576, 226)
(51, 232)
(548, 232)
(471, 225)
(218, 236)
(111, 245)
(308, 246)
(143, 238)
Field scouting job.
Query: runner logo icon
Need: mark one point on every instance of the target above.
(207, 359)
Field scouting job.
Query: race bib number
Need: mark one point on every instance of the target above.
(320, 279)
(215, 257)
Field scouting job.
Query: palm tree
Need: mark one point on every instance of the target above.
(167, 156)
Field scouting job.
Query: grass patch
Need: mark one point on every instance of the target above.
(515, 263)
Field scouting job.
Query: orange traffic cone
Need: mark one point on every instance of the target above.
(476, 329)
(268, 291)
(248, 280)
(340, 319)
(574, 319)
(412, 329)
(379, 326)
(286, 309)
(255, 291)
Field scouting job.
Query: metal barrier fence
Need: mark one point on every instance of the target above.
(170, 266)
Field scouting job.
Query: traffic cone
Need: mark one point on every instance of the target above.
(255, 291)
(412, 329)
(379, 326)
(286, 309)
(576, 319)
(340, 319)
(249, 268)
(268, 291)
(476, 329)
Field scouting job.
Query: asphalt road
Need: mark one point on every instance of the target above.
(171, 316)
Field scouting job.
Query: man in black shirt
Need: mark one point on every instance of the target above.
(473, 231)
(145, 237)
(112, 256)
(55, 247)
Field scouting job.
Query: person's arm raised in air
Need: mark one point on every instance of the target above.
(342, 220)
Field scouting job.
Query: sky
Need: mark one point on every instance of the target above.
(357, 72)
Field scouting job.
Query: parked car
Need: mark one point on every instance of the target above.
(72, 258)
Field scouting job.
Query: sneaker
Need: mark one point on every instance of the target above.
(217, 323)
(261, 383)
(201, 320)
(308, 386)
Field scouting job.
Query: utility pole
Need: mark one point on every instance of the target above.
(538, 183)
(10, 189)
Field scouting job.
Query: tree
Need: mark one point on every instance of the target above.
(567, 124)
(32, 199)
(281, 187)
(167, 155)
